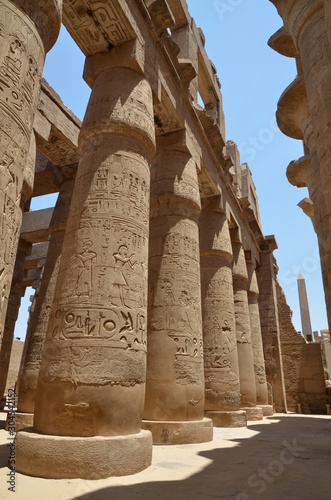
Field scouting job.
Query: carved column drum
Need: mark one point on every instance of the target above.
(175, 380)
(222, 390)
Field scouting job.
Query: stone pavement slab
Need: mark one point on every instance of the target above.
(281, 457)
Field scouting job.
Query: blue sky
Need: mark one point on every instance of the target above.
(252, 78)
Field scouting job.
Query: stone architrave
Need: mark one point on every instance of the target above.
(256, 335)
(222, 390)
(91, 387)
(38, 323)
(174, 405)
(27, 31)
(243, 329)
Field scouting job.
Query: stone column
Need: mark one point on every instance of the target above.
(10, 252)
(27, 31)
(308, 27)
(270, 325)
(38, 323)
(174, 406)
(91, 387)
(243, 329)
(222, 390)
(256, 334)
(14, 302)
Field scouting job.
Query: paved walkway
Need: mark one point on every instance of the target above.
(284, 457)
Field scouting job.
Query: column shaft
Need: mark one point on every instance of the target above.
(243, 329)
(175, 380)
(38, 322)
(270, 330)
(14, 302)
(92, 376)
(222, 390)
(256, 334)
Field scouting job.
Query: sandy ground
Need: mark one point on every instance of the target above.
(284, 457)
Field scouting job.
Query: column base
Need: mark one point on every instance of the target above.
(227, 418)
(253, 413)
(268, 410)
(97, 457)
(20, 420)
(180, 432)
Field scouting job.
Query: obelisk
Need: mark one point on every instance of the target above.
(304, 308)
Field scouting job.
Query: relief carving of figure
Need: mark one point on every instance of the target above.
(169, 296)
(83, 285)
(122, 259)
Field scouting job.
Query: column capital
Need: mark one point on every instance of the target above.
(128, 55)
(120, 105)
(239, 268)
(45, 15)
(297, 13)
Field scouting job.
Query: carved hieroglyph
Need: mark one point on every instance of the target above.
(256, 334)
(222, 391)
(23, 43)
(92, 377)
(38, 322)
(243, 329)
(14, 302)
(175, 382)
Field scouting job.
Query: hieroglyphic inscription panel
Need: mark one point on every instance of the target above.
(103, 301)
(21, 61)
(175, 296)
(220, 349)
(96, 24)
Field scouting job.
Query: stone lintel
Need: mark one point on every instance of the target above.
(31, 277)
(39, 251)
(44, 177)
(42, 126)
(86, 24)
(212, 131)
(57, 113)
(56, 127)
(35, 225)
(128, 55)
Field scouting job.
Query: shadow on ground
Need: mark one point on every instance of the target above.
(290, 459)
